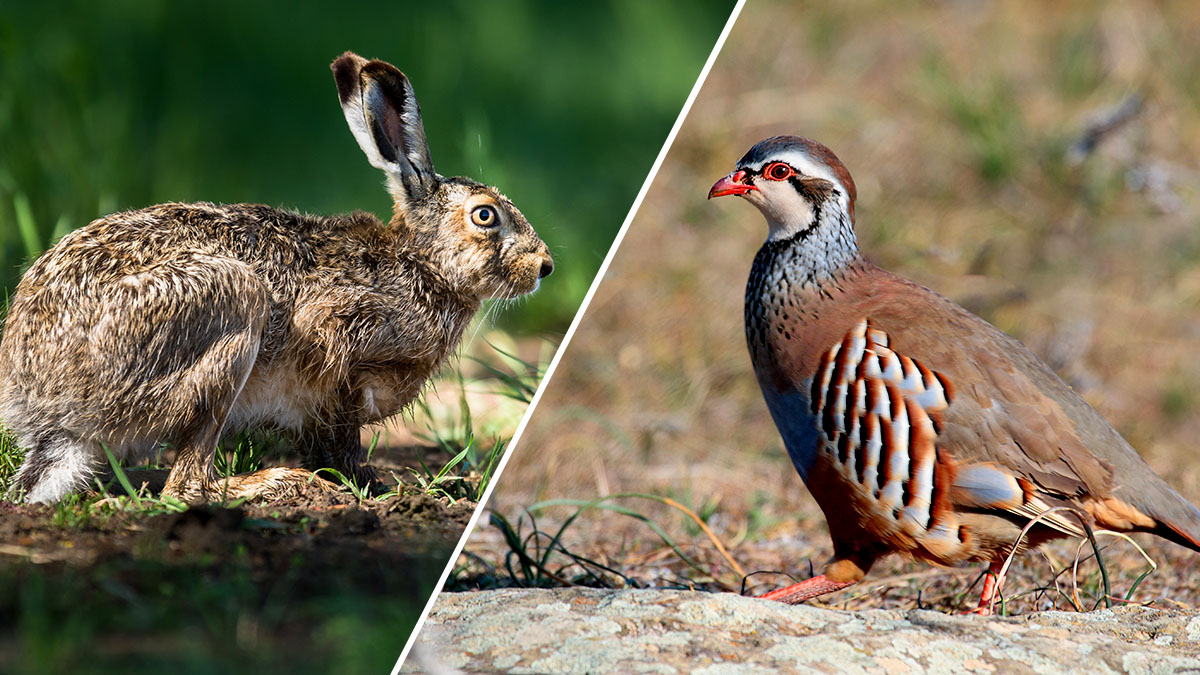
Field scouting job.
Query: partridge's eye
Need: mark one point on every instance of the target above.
(778, 171)
(483, 216)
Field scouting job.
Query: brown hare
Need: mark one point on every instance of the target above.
(181, 323)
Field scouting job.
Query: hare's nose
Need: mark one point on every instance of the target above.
(547, 268)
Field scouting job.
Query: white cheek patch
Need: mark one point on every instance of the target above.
(785, 210)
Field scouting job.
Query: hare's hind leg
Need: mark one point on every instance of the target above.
(204, 401)
(202, 394)
(172, 349)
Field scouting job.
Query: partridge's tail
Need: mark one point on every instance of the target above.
(1180, 523)
(1184, 536)
(1145, 503)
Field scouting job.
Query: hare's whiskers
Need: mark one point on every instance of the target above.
(483, 319)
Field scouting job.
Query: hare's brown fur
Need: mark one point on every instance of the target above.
(180, 323)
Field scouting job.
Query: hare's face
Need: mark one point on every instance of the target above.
(484, 242)
(472, 233)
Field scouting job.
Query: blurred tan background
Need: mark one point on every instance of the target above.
(957, 121)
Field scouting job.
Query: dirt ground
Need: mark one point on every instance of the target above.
(325, 522)
(317, 583)
(964, 126)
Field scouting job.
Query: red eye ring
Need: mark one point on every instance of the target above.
(778, 171)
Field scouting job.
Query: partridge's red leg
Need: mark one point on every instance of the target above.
(805, 590)
(992, 584)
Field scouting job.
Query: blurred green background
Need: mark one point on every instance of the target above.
(119, 105)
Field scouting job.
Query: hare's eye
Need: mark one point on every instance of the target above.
(483, 216)
(778, 171)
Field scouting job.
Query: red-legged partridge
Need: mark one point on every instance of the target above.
(918, 427)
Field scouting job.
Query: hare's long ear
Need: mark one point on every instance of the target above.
(384, 116)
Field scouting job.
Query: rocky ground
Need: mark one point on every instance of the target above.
(647, 631)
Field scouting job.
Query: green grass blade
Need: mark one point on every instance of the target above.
(585, 505)
(121, 477)
(452, 463)
(493, 458)
(62, 228)
(173, 504)
(10, 458)
(27, 226)
(373, 445)
(513, 539)
(516, 386)
(358, 492)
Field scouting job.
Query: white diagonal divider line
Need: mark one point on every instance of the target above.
(562, 348)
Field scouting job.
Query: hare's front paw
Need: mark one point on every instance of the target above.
(265, 485)
(274, 484)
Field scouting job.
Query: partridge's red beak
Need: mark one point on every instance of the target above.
(731, 185)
